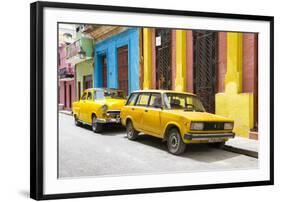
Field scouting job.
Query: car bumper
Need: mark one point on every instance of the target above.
(208, 136)
(109, 120)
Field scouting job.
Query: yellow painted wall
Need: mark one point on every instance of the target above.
(232, 103)
(180, 81)
(147, 57)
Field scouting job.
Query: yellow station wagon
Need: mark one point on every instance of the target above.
(99, 106)
(175, 117)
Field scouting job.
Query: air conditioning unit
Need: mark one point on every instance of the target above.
(82, 28)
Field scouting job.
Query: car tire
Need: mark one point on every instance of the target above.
(174, 142)
(218, 145)
(76, 121)
(132, 134)
(96, 127)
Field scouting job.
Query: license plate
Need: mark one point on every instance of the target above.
(215, 140)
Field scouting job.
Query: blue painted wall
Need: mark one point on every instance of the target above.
(109, 48)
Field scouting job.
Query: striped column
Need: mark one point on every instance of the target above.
(180, 81)
(147, 58)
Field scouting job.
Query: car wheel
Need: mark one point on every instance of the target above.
(96, 127)
(132, 134)
(175, 143)
(76, 121)
(218, 145)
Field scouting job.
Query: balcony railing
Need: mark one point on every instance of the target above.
(73, 49)
(66, 72)
(75, 53)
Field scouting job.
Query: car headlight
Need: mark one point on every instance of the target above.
(228, 126)
(197, 126)
(104, 108)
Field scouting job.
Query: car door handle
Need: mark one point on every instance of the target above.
(133, 108)
(146, 110)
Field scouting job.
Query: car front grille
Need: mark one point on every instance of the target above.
(113, 113)
(213, 125)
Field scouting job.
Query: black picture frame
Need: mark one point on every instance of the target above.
(36, 98)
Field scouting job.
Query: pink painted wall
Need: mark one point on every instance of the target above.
(249, 62)
(65, 97)
(173, 58)
(250, 69)
(68, 85)
(189, 61)
(62, 56)
(222, 60)
(63, 60)
(153, 59)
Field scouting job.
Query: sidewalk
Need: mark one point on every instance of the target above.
(244, 146)
(67, 112)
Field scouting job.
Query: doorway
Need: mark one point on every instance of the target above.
(88, 80)
(104, 71)
(79, 90)
(205, 49)
(70, 96)
(163, 59)
(64, 84)
(122, 53)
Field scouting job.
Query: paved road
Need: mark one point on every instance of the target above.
(84, 153)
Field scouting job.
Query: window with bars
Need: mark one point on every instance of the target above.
(163, 60)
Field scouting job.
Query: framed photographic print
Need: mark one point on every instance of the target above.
(136, 100)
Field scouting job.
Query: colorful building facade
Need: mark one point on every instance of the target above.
(220, 67)
(80, 54)
(117, 60)
(66, 82)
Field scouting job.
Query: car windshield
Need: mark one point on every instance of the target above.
(109, 93)
(183, 101)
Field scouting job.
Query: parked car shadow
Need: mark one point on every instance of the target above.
(108, 129)
(151, 141)
(197, 152)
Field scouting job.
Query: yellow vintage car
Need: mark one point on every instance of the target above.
(176, 117)
(98, 106)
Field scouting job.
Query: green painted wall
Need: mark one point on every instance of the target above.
(87, 45)
(83, 69)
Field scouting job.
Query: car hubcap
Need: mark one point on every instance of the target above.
(174, 141)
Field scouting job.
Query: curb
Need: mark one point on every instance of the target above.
(241, 151)
(66, 113)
